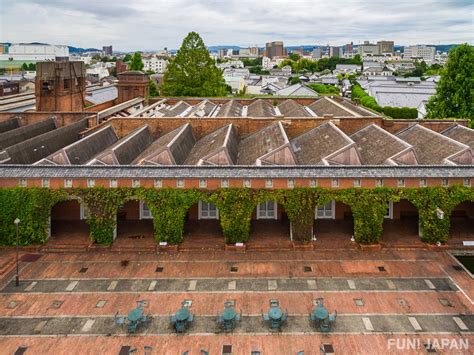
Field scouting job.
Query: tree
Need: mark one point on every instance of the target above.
(152, 89)
(32, 66)
(136, 62)
(24, 67)
(127, 58)
(294, 57)
(193, 72)
(455, 90)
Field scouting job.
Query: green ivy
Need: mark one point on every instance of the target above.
(236, 205)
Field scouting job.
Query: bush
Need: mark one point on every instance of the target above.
(401, 112)
(324, 89)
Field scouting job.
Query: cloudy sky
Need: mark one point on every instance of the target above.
(155, 24)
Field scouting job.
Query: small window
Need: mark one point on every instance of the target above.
(389, 212)
(467, 182)
(67, 84)
(335, 183)
(401, 182)
(145, 212)
(158, 183)
(267, 210)
(224, 183)
(291, 183)
(445, 182)
(44, 182)
(379, 183)
(313, 183)
(327, 211)
(207, 210)
(357, 183)
(22, 183)
(90, 182)
(247, 183)
(202, 184)
(422, 182)
(113, 183)
(269, 183)
(67, 183)
(135, 183)
(180, 183)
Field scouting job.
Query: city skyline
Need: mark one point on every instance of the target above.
(149, 25)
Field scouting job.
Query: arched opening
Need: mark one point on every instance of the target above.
(270, 227)
(134, 226)
(68, 226)
(401, 225)
(462, 221)
(202, 228)
(333, 226)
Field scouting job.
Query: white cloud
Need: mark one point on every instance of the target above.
(153, 24)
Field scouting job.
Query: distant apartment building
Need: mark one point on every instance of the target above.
(107, 50)
(348, 48)
(335, 52)
(255, 51)
(420, 51)
(317, 53)
(244, 52)
(385, 47)
(275, 49)
(35, 53)
(155, 64)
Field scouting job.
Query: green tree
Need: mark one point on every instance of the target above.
(127, 58)
(455, 91)
(136, 62)
(193, 72)
(24, 66)
(294, 57)
(152, 89)
(32, 66)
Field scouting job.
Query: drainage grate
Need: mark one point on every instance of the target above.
(21, 350)
(226, 349)
(234, 269)
(430, 348)
(445, 302)
(327, 349)
(159, 269)
(402, 302)
(308, 269)
(83, 270)
(56, 304)
(458, 267)
(359, 302)
(30, 257)
(381, 268)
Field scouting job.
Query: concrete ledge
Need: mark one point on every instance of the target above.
(233, 247)
(370, 247)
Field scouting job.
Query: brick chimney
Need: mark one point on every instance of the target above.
(132, 84)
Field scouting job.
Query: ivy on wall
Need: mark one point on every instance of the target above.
(236, 205)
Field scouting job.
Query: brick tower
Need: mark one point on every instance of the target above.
(60, 86)
(132, 84)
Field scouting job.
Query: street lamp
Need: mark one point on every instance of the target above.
(17, 278)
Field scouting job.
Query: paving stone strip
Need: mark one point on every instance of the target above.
(249, 324)
(228, 285)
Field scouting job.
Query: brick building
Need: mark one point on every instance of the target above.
(210, 144)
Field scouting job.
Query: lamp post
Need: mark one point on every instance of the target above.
(17, 278)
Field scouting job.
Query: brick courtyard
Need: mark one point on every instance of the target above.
(65, 303)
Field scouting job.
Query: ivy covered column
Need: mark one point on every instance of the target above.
(435, 205)
(101, 205)
(235, 213)
(33, 207)
(168, 207)
(368, 209)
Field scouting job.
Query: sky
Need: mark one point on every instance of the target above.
(154, 24)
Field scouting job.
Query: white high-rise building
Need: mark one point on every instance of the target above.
(155, 64)
(420, 51)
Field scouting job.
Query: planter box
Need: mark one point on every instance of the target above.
(303, 245)
(370, 247)
(241, 247)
